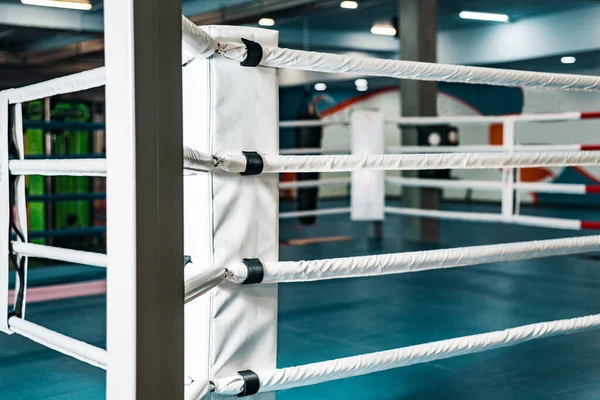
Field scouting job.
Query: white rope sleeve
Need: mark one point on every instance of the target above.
(198, 284)
(337, 163)
(195, 41)
(194, 160)
(55, 167)
(59, 254)
(197, 390)
(335, 63)
(63, 344)
(399, 263)
(65, 84)
(311, 374)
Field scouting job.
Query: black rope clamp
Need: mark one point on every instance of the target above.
(254, 163)
(251, 383)
(256, 271)
(254, 55)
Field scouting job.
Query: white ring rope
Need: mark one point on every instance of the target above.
(339, 163)
(457, 119)
(310, 213)
(416, 261)
(335, 63)
(525, 220)
(540, 187)
(484, 119)
(63, 344)
(60, 254)
(441, 149)
(311, 374)
(314, 183)
(55, 167)
(66, 84)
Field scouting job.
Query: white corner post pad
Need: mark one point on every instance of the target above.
(368, 187)
(4, 212)
(228, 109)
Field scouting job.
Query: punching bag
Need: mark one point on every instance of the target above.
(307, 198)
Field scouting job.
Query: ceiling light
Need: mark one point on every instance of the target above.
(568, 60)
(266, 22)
(383, 29)
(481, 16)
(361, 82)
(351, 5)
(70, 4)
(362, 88)
(320, 87)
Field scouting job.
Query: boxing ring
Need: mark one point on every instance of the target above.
(228, 161)
(510, 186)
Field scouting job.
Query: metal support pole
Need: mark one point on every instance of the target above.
(418, 30)
(508, 174)
(145, 200)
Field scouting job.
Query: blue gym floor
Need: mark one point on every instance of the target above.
(329, 319)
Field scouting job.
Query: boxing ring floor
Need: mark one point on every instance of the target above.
(330, 319)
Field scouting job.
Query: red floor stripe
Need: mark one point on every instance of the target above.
(67, 291)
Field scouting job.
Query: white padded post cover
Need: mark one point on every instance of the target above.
(227, 109)
(368, 187)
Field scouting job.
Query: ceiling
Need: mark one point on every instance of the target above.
(371, 11)
(34, 53)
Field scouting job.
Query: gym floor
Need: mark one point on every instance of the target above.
(325, 320)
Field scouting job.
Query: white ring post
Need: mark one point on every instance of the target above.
(508, 174)
(4, 212)
(144, 200)
(229, 108)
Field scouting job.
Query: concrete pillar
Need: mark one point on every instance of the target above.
(418, 29)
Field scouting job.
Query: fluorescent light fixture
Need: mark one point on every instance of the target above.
(351, 5)
(481, 16)
(361, 82)
(383, 29)
(568, 60)
(362, 88)
(70, 4)
(266, 22)
(320, 87)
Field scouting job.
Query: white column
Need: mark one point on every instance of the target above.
(508, 174)
(368, 187)
(227, 109)
(145, 200)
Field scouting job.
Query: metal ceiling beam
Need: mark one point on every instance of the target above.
(50, 18)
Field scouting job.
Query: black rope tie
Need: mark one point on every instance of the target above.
(254, 55)
(251, 383)
(256, 271)
(254, 163)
